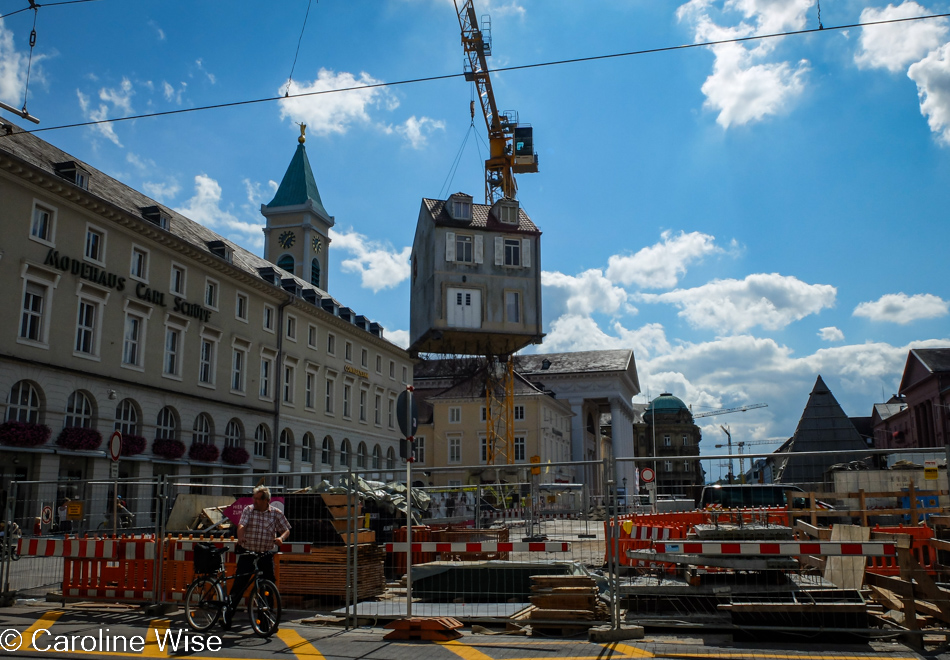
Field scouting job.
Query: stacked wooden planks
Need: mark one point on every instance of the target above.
(323, 573)
(567, 598)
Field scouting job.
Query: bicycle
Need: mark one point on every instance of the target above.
(206, 597)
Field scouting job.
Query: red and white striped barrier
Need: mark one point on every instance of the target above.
(737, 548)
(110, 594)
(542, 515)
(88, 548)
(479, 547)
(184, 550)
(650, 533)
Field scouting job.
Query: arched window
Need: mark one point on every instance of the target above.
(166, 426)
(377, 457)
(345, 453)
(261, 436)
(390, 459)
(286, 262)
(127, 417)
(24, 404)
(361, 455)
(326, 452)
(283, 447)
(306, 448)
(233, 433)
(315, 273)
(78, 411)
(201, 432)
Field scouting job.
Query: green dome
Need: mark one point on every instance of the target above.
(666, 403)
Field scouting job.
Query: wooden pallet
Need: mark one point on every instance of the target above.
(431, 629)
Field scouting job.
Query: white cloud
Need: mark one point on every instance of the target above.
(661, 265)
(325, 114)
(903, 309)
(210, 76)
(573, 332)
(13, 68)
(895, 46)
(932, 75)
(205, 207)
(380, 266)
(398, 337)
(120, 97)
(98, 114)
(584, 294)
(771, 301)
(742, 87)
(171, 94)
(159, 31)
(831, 333)
(418, 130)
(139, 162)
(163, 192)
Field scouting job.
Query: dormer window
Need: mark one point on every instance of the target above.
(460, 206)
(156, 215)
(74, 173)
(221, 249)
(506, 211)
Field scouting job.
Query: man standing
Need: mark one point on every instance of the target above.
(261, 528)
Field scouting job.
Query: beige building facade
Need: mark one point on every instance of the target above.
(129, 316)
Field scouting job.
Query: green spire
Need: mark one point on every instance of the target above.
(298, 184)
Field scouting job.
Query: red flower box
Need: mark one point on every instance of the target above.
(23, 434)
(133, 444)
(167, 448)
(78, 438)
(204, 453)
(235, 455)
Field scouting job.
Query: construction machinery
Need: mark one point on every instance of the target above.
(511, 144)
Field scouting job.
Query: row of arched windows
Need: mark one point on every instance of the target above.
(25, 403)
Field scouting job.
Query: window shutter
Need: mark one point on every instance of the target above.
(499, 251)
(526, 252)
(450, 246)
(479, 249)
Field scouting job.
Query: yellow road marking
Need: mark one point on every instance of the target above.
(464, 651)
(45, 621)
(300, 647)
(156, 627)
(628, 651)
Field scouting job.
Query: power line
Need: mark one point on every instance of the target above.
(290, 78)
(520, 67)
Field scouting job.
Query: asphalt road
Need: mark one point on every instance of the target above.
(40, 631)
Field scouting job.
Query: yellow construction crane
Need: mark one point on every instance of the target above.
(511, 145)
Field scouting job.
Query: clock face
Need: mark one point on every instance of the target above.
(286, 239)
(317, 244)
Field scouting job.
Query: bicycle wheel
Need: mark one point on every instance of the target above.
(203, 602)
(265, 608)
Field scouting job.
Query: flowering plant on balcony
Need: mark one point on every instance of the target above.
(133, 444)
(205, 453)
(78, 438)
(168, 448)
(23, 434)
(235, 455)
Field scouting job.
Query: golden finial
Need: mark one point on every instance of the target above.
(303, 130)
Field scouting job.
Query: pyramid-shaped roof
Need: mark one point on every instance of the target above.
(823, 427)
(298, 185)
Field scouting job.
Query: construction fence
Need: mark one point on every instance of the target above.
(860, 545)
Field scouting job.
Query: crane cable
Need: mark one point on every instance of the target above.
(450, 176)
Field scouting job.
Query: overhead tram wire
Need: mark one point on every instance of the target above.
(519, 67)
(45, 4)
(290, 78)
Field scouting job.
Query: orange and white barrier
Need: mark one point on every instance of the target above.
(480, 547)
(764, 548)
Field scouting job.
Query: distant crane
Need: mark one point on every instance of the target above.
(511, 145)
(740, 445)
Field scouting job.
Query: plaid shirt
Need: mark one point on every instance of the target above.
(262, 527)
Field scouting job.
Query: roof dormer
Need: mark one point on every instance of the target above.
(221, 249)
(156, 215)
(74, 173)
(459, 207)
(505, 211)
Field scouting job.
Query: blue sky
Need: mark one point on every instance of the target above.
(745, 217)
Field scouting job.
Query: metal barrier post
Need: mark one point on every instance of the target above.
(159, 569)
(7, 599)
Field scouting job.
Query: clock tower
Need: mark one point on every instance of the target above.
(296, 234)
